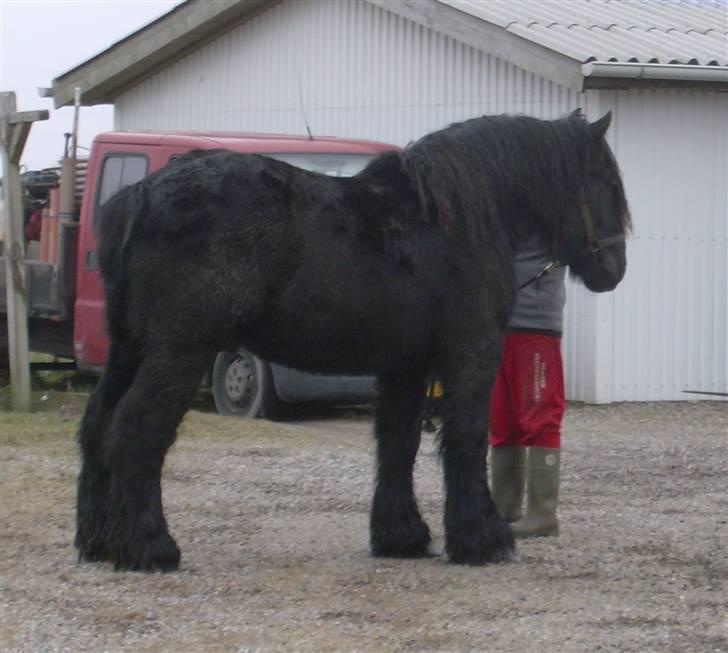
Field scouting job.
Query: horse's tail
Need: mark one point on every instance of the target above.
(118, 224)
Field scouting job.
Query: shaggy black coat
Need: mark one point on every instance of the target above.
(404, 271)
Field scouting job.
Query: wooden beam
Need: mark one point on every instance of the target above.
(22, 122)
(14, 129)
(27, 116)
(17, 139)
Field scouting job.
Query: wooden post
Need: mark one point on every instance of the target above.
(14, 130)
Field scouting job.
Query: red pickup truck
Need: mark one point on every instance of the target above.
(66, 297)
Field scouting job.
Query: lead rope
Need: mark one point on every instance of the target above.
(554, 265)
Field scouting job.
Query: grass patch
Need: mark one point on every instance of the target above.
(51, 390)
(50, 431)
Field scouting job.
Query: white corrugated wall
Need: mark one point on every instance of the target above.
(671, 326)
(357, 70)
(664, 330)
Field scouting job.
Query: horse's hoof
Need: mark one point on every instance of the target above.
(480, 558)
(160, 553)
(493, 543)
(418, 551)
(402, 550)
(399, 542)
(90, 544)
(93, 552)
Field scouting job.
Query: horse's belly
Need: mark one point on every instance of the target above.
(339, 344)
(344, 312)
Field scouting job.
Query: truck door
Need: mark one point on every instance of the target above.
(112, 166)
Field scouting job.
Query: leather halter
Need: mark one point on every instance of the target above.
(593, 244)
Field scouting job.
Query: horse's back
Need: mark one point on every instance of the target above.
(326, 274)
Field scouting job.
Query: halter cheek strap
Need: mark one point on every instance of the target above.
(595, 244)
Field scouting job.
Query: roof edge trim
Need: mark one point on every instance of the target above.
(656, 71)
(182, 29)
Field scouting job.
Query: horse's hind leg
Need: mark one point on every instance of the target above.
(396, 527)
(93, 479)
(144, 427)
(474, 532)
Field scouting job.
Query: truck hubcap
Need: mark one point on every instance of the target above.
(240, 380)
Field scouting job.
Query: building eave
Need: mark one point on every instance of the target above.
(609, 74)
(126, 63)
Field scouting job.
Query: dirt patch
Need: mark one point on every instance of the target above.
(272, 520)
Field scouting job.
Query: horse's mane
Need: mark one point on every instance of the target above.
(465, 173)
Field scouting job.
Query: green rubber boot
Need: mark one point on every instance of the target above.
(508, 480)
(542, 494)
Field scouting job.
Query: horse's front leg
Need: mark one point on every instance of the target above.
(396, 527)
(474, 532)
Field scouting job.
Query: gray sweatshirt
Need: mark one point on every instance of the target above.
(539, 306)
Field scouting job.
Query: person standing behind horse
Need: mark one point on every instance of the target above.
(527, 401)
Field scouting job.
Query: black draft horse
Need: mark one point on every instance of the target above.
(405, 270)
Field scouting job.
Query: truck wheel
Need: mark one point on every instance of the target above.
(242, 385)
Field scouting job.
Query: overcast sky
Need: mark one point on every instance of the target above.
(42, 39)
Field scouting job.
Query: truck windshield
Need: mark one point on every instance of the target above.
(335, 164)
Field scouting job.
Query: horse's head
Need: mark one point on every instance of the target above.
(595, 247)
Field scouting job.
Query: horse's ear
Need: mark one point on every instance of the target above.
(600, 127)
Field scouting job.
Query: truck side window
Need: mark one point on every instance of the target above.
(118, 170)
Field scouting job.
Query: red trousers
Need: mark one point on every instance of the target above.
(527, 403)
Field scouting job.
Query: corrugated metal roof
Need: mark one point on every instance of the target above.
(624, 31)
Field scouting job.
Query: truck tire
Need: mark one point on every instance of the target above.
(242, 385)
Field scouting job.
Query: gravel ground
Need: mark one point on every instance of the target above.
(272, 520)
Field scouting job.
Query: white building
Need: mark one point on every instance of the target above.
(394, 70)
